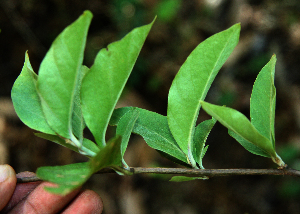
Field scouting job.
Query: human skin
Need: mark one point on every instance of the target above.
(32, 198)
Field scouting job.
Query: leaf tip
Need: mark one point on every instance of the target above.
(273, 57)
(88, 13)
(237, 26)
(154, 19)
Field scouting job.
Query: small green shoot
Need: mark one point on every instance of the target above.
(257, 136)
(66, 97)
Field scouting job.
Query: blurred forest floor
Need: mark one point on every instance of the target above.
(268, 27)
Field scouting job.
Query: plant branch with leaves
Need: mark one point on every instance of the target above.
(67, 97)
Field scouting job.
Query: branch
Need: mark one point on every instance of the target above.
(191, 172)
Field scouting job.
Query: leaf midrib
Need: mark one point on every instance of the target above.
(204, 95)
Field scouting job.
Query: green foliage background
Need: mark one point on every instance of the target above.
(267, 28)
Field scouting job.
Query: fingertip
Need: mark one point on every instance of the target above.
(87, 201)
(7, 173)
(94, 199)
(8, 183)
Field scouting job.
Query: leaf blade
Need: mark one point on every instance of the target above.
(59, 73)
(189, 87)
(78, 123)
(68, 177)
(109, 156)
(72, 176)
(107, 78)
(248, 145)
(239, 123)
(154, 129)
(86, 143)
(124, 129)
(262, 101)
(201, 133)
(26, 100)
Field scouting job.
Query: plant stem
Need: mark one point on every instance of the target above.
(192, 172)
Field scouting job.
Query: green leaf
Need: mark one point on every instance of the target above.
(154, 129)
(201, 133)
(125, 127)
(185, 178)
(59, 74)
(248, 145)
(68, 177)
(90, 145)
(72, 176)
(204, 150)
(87, 145)
(110, 156)
(239, 124)
(103, 84)
(26, 100)
(192, 83)
(78, 123)
(56, 139)
(262, 102)
(118, 114)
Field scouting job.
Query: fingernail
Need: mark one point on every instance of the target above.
(5, 172)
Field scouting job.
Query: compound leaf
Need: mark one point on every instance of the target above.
(103, 84)
(192, 83)
(59, 74)
(26, 100)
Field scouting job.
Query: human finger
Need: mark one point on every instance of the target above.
(8, 182)
(41, 201)
(87, 201)
(22, 190)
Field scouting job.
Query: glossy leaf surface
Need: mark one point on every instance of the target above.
(193, 81)
(103, 84)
